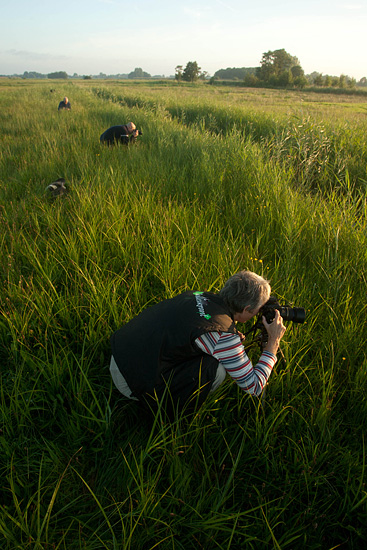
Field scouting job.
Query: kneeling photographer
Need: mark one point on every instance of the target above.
(178, 351)
(125, 134)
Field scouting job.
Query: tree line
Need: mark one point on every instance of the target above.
(277, 68)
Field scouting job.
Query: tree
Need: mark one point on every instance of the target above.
(58, 74)
(250, 80)
(298, 76)
(276, 63)
(234, 73)
(191, 71)
(342, 81)
(33, 74)
(300, 82)
(327, 81)
(204, 75)
(297, 71)
(178, 73)
(138, 73)
(318, 80)
(284, 79)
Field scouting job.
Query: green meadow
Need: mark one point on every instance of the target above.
(222, 179)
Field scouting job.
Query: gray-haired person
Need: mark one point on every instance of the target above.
(180, 349)
(124, 133)
(64, 105)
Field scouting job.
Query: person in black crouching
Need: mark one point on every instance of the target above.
(174, 353)
(64, 105)
(125, 134)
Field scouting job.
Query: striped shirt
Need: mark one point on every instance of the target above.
(229, 351)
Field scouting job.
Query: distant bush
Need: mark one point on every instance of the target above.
(234, 73)
(58, 74)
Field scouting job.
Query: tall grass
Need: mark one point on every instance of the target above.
(318, 148)
(185, 208)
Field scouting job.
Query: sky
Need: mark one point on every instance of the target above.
(116, 36)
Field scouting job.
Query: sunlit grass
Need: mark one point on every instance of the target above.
(185, 208)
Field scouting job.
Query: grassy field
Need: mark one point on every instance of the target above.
(221, 180)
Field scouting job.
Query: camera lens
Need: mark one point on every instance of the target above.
(295, 314)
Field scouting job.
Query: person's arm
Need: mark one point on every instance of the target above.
(229, 351)
(251, 378)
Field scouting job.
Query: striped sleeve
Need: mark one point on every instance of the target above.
(229, 351)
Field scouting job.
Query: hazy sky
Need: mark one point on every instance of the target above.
(115, 36)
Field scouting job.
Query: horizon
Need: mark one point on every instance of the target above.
(125, 76)
(113, 37)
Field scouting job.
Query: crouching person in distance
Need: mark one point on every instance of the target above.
(64, 105)
(175, 352)
(125, 133)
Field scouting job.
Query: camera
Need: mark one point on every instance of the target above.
(294, 314)
(258, 330)
(132, 138)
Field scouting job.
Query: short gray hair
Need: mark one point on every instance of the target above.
(245, 289)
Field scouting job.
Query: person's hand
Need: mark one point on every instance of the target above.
(242, 336)
(135, 133)
(275, 331)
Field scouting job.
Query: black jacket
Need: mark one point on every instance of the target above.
(158, 346)
(116, 133)
(63, 105)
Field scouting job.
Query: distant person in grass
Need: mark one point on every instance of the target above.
(125, 133)
(180, 350)
(64, 105)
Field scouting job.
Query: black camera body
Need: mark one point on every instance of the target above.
(133, 137)
(294, 314)
(259, 332)
(129, 139)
